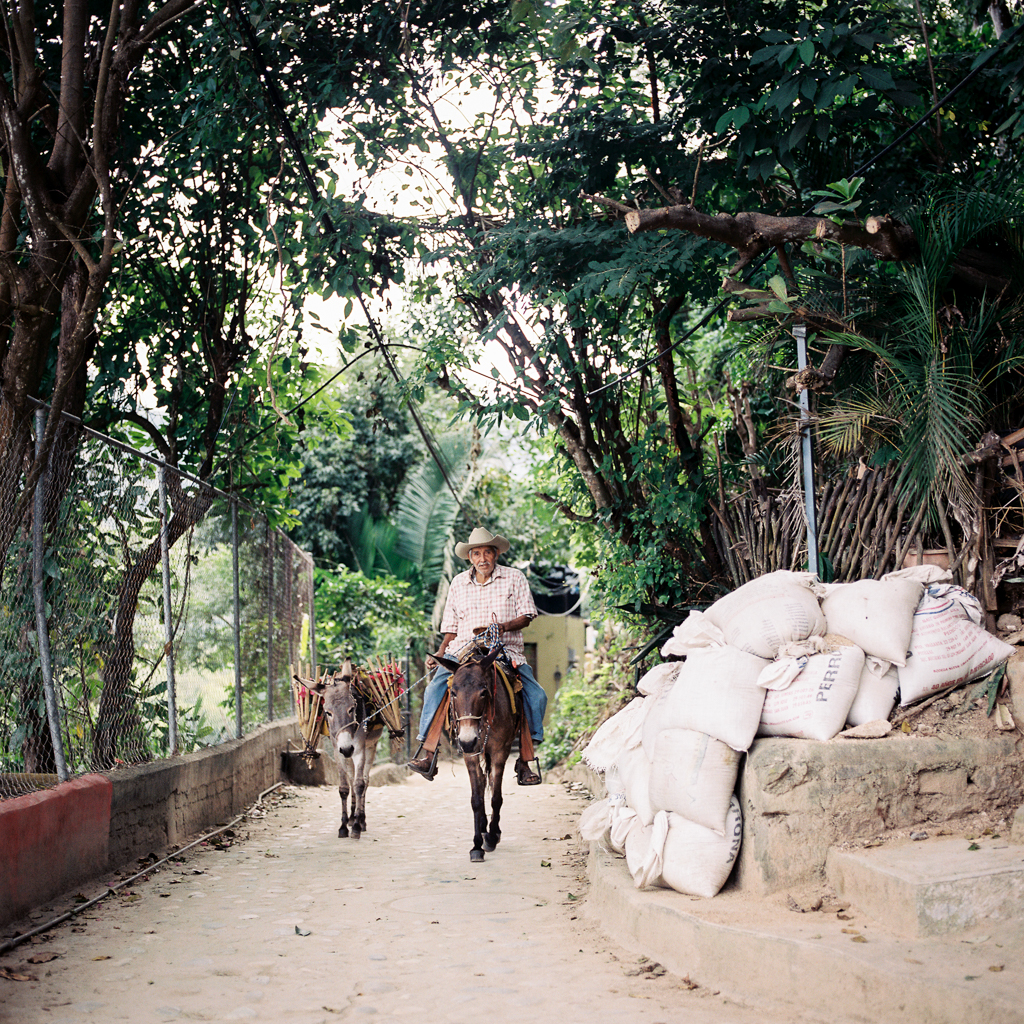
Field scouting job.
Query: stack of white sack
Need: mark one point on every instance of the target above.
(769, 660)
(920, 635)
(675, 809)
(671, 759)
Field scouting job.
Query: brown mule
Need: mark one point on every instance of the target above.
(485, 719)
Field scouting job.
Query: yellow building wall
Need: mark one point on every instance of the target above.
(553, 644)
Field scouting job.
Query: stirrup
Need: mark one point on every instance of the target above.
(427, 771)
(525, 775)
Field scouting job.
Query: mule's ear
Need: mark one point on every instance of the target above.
(447, 662)
(491, 656)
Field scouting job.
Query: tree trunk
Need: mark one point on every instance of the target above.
(119, 731)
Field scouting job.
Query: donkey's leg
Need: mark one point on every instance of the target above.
(343, 791)
(478, 785)
(362, 760)
(369, 759)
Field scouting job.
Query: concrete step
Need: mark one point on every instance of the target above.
(933, 887)
(821, 966)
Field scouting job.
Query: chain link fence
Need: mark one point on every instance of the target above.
(142, 614)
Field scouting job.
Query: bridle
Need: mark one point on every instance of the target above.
(353, 719)
(488, 717)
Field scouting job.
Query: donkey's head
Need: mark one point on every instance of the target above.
(472, 693)
(340, 709)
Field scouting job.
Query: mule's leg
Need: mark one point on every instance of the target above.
(497, 771)
(343, 791)
(478, 784)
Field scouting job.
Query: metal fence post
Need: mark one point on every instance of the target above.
(807, 456)
(312, 618)
(237, 619)
(407, 716)
(39, 596)
(270, 623)
(165, 561)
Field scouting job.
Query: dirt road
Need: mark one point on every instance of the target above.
(287, 922)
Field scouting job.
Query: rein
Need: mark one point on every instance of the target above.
(488, 719)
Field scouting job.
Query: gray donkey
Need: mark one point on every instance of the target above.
(355, 731)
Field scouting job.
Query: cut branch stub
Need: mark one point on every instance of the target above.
(750, 233)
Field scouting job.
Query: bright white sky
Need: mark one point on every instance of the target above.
(428, 190)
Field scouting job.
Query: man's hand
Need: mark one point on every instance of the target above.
(483, 629)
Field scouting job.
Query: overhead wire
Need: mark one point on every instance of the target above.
(276, 101)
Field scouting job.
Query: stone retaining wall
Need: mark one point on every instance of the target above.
(800, 797)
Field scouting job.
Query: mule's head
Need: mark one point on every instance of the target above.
(472, 693)
(340, 709)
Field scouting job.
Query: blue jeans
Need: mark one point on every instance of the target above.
(535, 700)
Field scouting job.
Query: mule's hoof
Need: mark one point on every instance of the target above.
(476, 855)
(491, 843)
(343, 832)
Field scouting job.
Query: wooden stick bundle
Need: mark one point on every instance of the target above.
(309, 707)
(381, 685)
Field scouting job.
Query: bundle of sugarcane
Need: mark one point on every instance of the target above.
(383, 687)
(309, 706)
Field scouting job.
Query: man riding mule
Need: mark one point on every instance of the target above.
(486, 594)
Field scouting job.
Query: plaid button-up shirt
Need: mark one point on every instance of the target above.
(505, 596)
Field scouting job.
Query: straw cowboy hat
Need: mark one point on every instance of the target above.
(482, 538)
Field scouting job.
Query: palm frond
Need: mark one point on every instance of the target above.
(427, 509)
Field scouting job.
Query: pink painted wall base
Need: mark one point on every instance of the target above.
(51, 841)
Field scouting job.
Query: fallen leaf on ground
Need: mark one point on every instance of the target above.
(996, 968)
(43, 958)
(6, 972)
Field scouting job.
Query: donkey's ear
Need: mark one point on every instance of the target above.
(447, 662)
(317, 687)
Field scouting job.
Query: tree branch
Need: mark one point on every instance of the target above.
(750, 234)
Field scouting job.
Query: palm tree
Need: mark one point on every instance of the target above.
(947, 360)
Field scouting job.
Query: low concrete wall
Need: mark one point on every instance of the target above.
(800, 797)
(51, 841)
(161, 804)
(56, 839)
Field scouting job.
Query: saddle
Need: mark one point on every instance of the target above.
(509, 675)
(507, 672)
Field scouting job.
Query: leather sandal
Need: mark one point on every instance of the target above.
(525, 775)
(425, 766)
